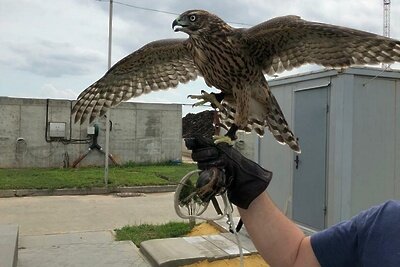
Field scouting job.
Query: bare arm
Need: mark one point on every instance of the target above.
(279, 241)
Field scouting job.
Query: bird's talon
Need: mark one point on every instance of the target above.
(207, 98)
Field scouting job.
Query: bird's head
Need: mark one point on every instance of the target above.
(194, 22)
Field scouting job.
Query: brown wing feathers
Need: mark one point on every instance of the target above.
(158, 65)
(287, 42)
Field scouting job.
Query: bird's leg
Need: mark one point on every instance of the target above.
(232, 132)
(213, 98)
(229, 137)
(242, 98)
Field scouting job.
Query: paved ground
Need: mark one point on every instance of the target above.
(65, 230)
(78, 250)
(64, 214)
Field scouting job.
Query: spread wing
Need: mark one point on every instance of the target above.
(287, 42)
(158, 65)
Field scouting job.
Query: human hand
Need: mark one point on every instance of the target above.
(225, 168)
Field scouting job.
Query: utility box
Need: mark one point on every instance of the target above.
(90, 130)
(348, 126)
(57, 129)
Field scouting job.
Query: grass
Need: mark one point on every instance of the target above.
(128, 175)
(139, 233)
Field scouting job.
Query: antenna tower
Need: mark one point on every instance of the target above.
(386, 24)
(386, 18)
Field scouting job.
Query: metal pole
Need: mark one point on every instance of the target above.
(107, 152)
(386, 25)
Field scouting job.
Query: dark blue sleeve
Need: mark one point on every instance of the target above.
(372, 238)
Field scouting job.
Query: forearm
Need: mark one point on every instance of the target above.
(279, 241)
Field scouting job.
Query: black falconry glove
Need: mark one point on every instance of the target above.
(225, 168)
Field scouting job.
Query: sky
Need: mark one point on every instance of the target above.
(57, 48)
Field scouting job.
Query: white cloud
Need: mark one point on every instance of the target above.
(51, 59)
(47, 46)
(51, 91)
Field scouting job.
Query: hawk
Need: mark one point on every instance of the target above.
(234, 60)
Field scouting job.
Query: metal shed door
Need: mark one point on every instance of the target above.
(309, 178)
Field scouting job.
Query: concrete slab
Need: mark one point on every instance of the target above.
(244, 237)
(207, 248)
(78, 249)
(178, 251)
(225, 245)
(188, 250)
(245, 242)
(8, 245)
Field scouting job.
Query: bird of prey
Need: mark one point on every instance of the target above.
(235, 60)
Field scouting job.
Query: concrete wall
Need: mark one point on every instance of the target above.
(140, 133)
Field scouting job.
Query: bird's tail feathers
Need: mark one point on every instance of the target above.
(275, 122)
(278, 126)
(227, 118)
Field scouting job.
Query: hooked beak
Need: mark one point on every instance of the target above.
(179, 22)
(175, 23)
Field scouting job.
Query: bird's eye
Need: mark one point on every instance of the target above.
(192, 18)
